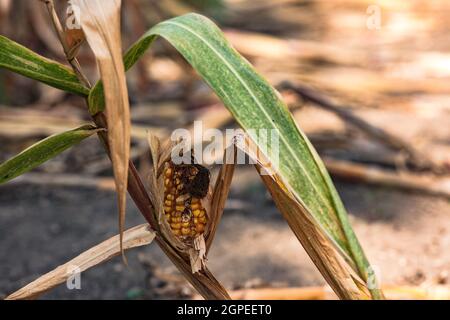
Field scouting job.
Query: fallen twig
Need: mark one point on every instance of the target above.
(424, 183)
(62, 180)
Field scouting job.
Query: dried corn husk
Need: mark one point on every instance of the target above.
(195, 249)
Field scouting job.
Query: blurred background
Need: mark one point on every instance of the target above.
(368, 82)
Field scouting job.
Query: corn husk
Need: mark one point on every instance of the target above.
(213, 202)
(190, 258)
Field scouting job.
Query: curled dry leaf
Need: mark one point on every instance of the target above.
(187, 209)
(135, 237)
(100, 21)
(334, 265)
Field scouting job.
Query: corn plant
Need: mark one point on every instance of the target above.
(301, 186)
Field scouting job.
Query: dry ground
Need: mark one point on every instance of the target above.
(406, 235)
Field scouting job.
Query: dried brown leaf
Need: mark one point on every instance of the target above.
(100, 21)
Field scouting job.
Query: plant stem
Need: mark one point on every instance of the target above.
(62, 39)
(204, 281)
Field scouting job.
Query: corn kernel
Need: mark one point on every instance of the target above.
(196, 213)
(184, 212)
(176, 225)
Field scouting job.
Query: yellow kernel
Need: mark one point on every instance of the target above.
(167, 216)
(185, 231)
(195, 206)
(177, 181)
(170, 197)
(167, 182)
(193, 232)
(175, 225)
(185, 224)
(202, 213)
(167, 209)
(196, 213)
(176, 232)
(168, 172)
(202, 219)
(179, 208)
(168, 203)
(195, 220)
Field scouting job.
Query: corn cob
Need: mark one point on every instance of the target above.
(184, 186)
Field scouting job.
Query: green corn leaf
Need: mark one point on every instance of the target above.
(42, 151)
(21, 60)
(256, 105)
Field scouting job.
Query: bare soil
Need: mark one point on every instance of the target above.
(406, 236)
